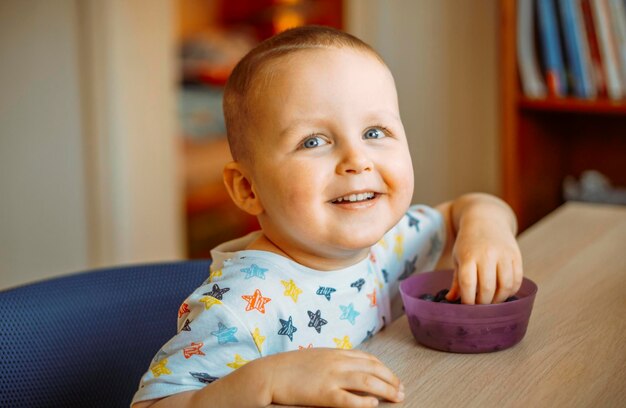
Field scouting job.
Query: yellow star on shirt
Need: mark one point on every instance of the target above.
(160, 368)
(343, 343)
(215, 273)
(238, 362)
(383, 243)
(291, 289)
(398, 248)
(258, 339)
(210, 301)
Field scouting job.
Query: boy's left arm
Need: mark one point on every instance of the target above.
(482, 249)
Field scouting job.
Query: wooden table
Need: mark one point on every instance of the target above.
(574, 352)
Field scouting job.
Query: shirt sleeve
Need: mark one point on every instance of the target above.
(415, 244)
(211, 342)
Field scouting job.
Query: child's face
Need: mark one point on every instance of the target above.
(331, 167)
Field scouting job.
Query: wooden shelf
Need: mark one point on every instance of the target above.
(596, 106)
(546, 140)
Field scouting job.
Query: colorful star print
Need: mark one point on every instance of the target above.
(287, 329)
(358, 284)
(204, 378)
(225, 334)
(238, 362)
(383, 243)
(254, 271)
(160, 368)
(348, 313)
(413, 222)
(370, 334)
(326, 292)
(435, 245)
(409, 268)
(193, 349)
(372, 298)
(216, 292)
(186, 326)
(183, 310)
(256, 301)
(343, 343)
(258, 339)
(398, 249)
(291, 289)
(385, 275)
(372, 257)
(316, 320)
(305, 347)
(209, 301)
(215, 273)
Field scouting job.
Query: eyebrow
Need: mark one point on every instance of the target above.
(373, 116)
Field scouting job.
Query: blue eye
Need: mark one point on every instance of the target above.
(313, 141)
(374, 133)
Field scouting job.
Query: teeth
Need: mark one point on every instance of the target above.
(355, 197)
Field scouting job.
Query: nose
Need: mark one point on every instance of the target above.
(354, 161)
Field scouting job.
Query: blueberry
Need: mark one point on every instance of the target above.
(511, 298)
(441, 295)
(427, 297)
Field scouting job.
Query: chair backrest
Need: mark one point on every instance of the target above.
(85, 340)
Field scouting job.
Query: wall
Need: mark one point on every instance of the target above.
(443, 54)
(88, 155)
(43, 225)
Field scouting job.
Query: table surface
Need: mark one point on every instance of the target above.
(574, 351)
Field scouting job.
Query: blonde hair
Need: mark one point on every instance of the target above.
(253, 70)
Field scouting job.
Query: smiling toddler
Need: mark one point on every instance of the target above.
(320, 157)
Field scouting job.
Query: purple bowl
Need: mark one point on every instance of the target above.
(464, 328)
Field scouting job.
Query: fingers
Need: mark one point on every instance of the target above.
(486, 286)
(505, 282)
(343, 398)
(374, 385)
(454, 291)
(467, 278)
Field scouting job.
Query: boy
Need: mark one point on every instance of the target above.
(321, 158)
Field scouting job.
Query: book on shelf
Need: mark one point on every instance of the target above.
(532, 82)
(552, 53)
(572, 48)
(608, 48)
(576, 49)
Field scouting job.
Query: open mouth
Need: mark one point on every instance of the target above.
(355, 198)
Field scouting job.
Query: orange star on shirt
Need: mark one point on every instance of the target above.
(256, 301)
(193, 349)
(184, 308)
(372, 297)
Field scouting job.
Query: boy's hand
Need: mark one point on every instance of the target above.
(329, 378)
(487, 260)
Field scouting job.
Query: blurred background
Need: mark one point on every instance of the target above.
(112, 140)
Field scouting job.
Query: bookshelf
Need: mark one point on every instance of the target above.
(545, 140)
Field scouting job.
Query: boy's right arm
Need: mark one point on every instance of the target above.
(317, 376)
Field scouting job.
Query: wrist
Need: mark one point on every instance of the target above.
(476, 209)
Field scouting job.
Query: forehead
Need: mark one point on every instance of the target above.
(324, 80)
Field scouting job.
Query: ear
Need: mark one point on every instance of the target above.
(240, 188)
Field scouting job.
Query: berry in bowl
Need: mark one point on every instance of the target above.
(450, 326)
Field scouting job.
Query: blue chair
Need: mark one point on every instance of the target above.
(85, 340)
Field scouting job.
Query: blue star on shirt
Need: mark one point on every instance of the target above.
(204, 378)
(409, 268)
(225, 334)
(435, 245)
(348, 313)
(385, 275)
(288, 328)
(326, 292)
(370, 334)
(413, 222)
(186, 326)
(358, 284)
(216, 292)
(254, 271)
(316, 320)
